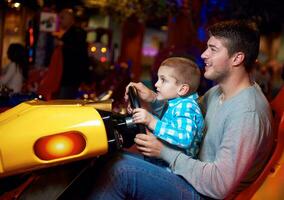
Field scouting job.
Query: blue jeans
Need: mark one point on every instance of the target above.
(128, 176)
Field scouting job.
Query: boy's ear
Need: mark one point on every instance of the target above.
(183, 90)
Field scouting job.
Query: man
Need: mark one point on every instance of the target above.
(75, 55)
(238, 136)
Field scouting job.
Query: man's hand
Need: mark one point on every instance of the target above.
(148, 145)
(144, 93)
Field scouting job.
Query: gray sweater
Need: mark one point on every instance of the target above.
(237, 143)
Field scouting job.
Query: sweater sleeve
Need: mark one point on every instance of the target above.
(239, 146)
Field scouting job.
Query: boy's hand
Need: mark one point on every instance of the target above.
(129, 109)
(142, 116)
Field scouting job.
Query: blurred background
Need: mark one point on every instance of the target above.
(128, 39)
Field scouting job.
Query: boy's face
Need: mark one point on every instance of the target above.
(167, 86)
(217, 60)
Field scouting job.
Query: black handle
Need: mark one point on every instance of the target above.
(133, 97)
(135, 103)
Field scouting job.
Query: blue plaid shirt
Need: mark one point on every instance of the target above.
(182, 124)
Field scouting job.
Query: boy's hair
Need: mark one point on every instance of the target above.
(186, 71)
(239, 36)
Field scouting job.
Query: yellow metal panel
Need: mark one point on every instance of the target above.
(23, 125)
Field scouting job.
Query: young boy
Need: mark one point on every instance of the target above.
(182, 123)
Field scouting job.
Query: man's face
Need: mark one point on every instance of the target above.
(217, 60)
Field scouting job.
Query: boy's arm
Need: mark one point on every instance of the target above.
(183, 128)
(180, 133)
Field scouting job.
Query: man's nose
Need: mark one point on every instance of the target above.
(204, 54)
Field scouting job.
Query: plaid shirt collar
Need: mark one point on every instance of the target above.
(172, 102)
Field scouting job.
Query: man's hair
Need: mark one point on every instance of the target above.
(185, 71)
(239, 36)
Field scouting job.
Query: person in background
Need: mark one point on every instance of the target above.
(238, 132)
(182, 122)
(75, 55)
(16, 71)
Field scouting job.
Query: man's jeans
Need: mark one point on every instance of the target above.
(127, 176)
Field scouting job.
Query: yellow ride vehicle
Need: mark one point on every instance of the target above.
(47, 135)
(38, 134)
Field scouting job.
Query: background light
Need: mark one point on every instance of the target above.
(103, 49)
(93, 49)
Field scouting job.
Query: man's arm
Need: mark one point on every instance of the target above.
(239, 147)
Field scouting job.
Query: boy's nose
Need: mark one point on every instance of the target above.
(157, 84)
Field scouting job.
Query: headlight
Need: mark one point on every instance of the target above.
(59, 145)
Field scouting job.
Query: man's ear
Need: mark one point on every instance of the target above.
(238, 58)
(183, 90)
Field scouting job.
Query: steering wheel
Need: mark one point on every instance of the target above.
(135, 103)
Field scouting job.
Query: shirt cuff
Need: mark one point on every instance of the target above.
(157, 127)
